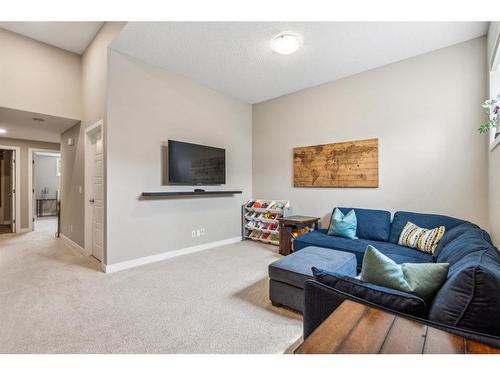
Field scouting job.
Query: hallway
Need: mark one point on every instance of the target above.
(46, 224)
(35, 259)
(34, 268)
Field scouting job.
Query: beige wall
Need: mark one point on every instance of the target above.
(146, 107)
(94, 92)
(23, 159)
(494, 156)
(39, 78)
(425, 111)
(72, 178)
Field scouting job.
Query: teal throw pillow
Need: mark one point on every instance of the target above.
(422, 279)
(343, 225)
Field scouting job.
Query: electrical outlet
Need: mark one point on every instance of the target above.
(197, 232)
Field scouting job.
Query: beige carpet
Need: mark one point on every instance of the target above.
(53, 300)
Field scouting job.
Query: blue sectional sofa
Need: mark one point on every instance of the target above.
(469, 300)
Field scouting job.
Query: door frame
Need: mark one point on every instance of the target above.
(90, 131)
(17, 209)
(31, 155)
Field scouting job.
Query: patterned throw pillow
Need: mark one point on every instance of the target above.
(420, 238)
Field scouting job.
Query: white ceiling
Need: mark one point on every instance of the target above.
(20, 125)
(71, 36)
(235, 58)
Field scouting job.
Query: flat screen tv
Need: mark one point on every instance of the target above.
(191, 164)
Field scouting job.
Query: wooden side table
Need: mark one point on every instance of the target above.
(288, 224)
(354, 328)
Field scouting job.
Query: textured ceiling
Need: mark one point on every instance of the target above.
(235, 57)
(71, 36)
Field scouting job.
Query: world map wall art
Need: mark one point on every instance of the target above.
(345, 164)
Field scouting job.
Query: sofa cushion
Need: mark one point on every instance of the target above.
(453, 233)
(386, 297)
(372, 224)
(401, 258)
(467, 242)
(428, 221)
(295, 268)
(470, 296)
(399, 254)
(320, 238)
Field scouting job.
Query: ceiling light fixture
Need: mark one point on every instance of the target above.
(3, 131)
(38, 119)
(286, 43)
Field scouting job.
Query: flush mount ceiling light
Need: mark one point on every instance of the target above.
(3, 131)
(38, 119)
(285, 43)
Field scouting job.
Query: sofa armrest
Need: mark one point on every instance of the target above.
(319, 302)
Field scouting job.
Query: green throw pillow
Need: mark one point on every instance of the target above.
(422, 279)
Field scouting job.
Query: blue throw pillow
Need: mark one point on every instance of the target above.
(343, 225)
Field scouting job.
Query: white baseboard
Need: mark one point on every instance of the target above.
(108, 268)
(23, 230)
(73, 244)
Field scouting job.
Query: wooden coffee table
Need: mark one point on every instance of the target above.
(354, 328)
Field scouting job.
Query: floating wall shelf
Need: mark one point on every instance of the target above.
(173, 194)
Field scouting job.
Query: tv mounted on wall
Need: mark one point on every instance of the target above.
(191, 164)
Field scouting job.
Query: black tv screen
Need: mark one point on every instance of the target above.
(191, 164)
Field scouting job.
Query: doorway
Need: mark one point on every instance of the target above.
(7, 191)
(94, 191)
(9, 188)
(44, 184)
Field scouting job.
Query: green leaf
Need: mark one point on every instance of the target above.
(484, 128)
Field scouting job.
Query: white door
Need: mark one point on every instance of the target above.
(13, 190)
(97, 195)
